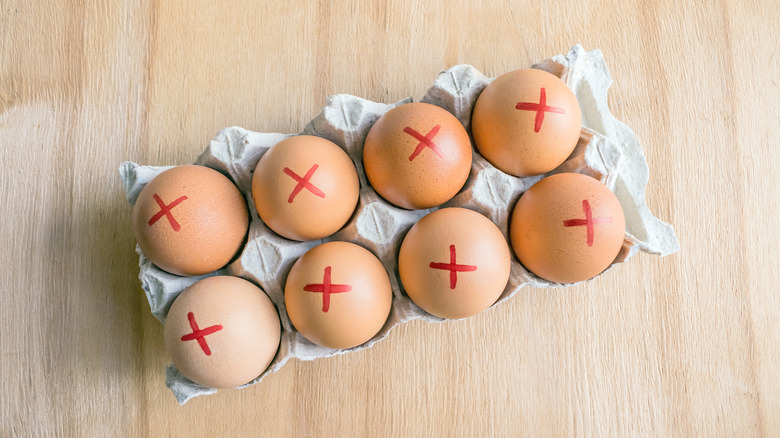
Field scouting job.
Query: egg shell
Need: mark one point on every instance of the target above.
(305, 188)
(338, 295)
(454, 263)
(567, 228)
(190, 220)
(526, 122)
(222, 332)
(417, 156)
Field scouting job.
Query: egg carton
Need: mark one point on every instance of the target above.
(607, 150)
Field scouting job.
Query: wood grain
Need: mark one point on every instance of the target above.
(687, 345)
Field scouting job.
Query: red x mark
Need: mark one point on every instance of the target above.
(453, 267)
(303, 182)
(165, 210)
(425, 141)
(588, 222)
(540, 109)
(326, 288)
(199, 334)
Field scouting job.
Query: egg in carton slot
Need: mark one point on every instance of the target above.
(607, 150)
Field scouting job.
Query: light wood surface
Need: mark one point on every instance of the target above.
(687, 345)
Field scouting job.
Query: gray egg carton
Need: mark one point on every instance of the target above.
(607, 150)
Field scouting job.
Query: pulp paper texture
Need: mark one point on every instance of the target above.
(607, 150)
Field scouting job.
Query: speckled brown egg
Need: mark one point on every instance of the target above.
(417, 156)
(190, 220)
(526, 122)
(338, 295)
(567, 228)
(454, 263)
(305, 188)
(222, 332)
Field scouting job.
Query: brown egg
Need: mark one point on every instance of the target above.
(222, 332)
(567, 228)
(305, 188)
(454, 263)
(338, 295)
(417, 156)
(526, 122)
(190, 220)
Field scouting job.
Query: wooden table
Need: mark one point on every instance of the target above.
(686, 345)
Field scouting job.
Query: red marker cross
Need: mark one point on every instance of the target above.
(326, 288)
(453, 267)
(303, 182)
(588, 222)
(425, 141)
(200, 335)
(540, 109)
(165, 210)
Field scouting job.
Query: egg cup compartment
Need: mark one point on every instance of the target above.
(607, 150)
